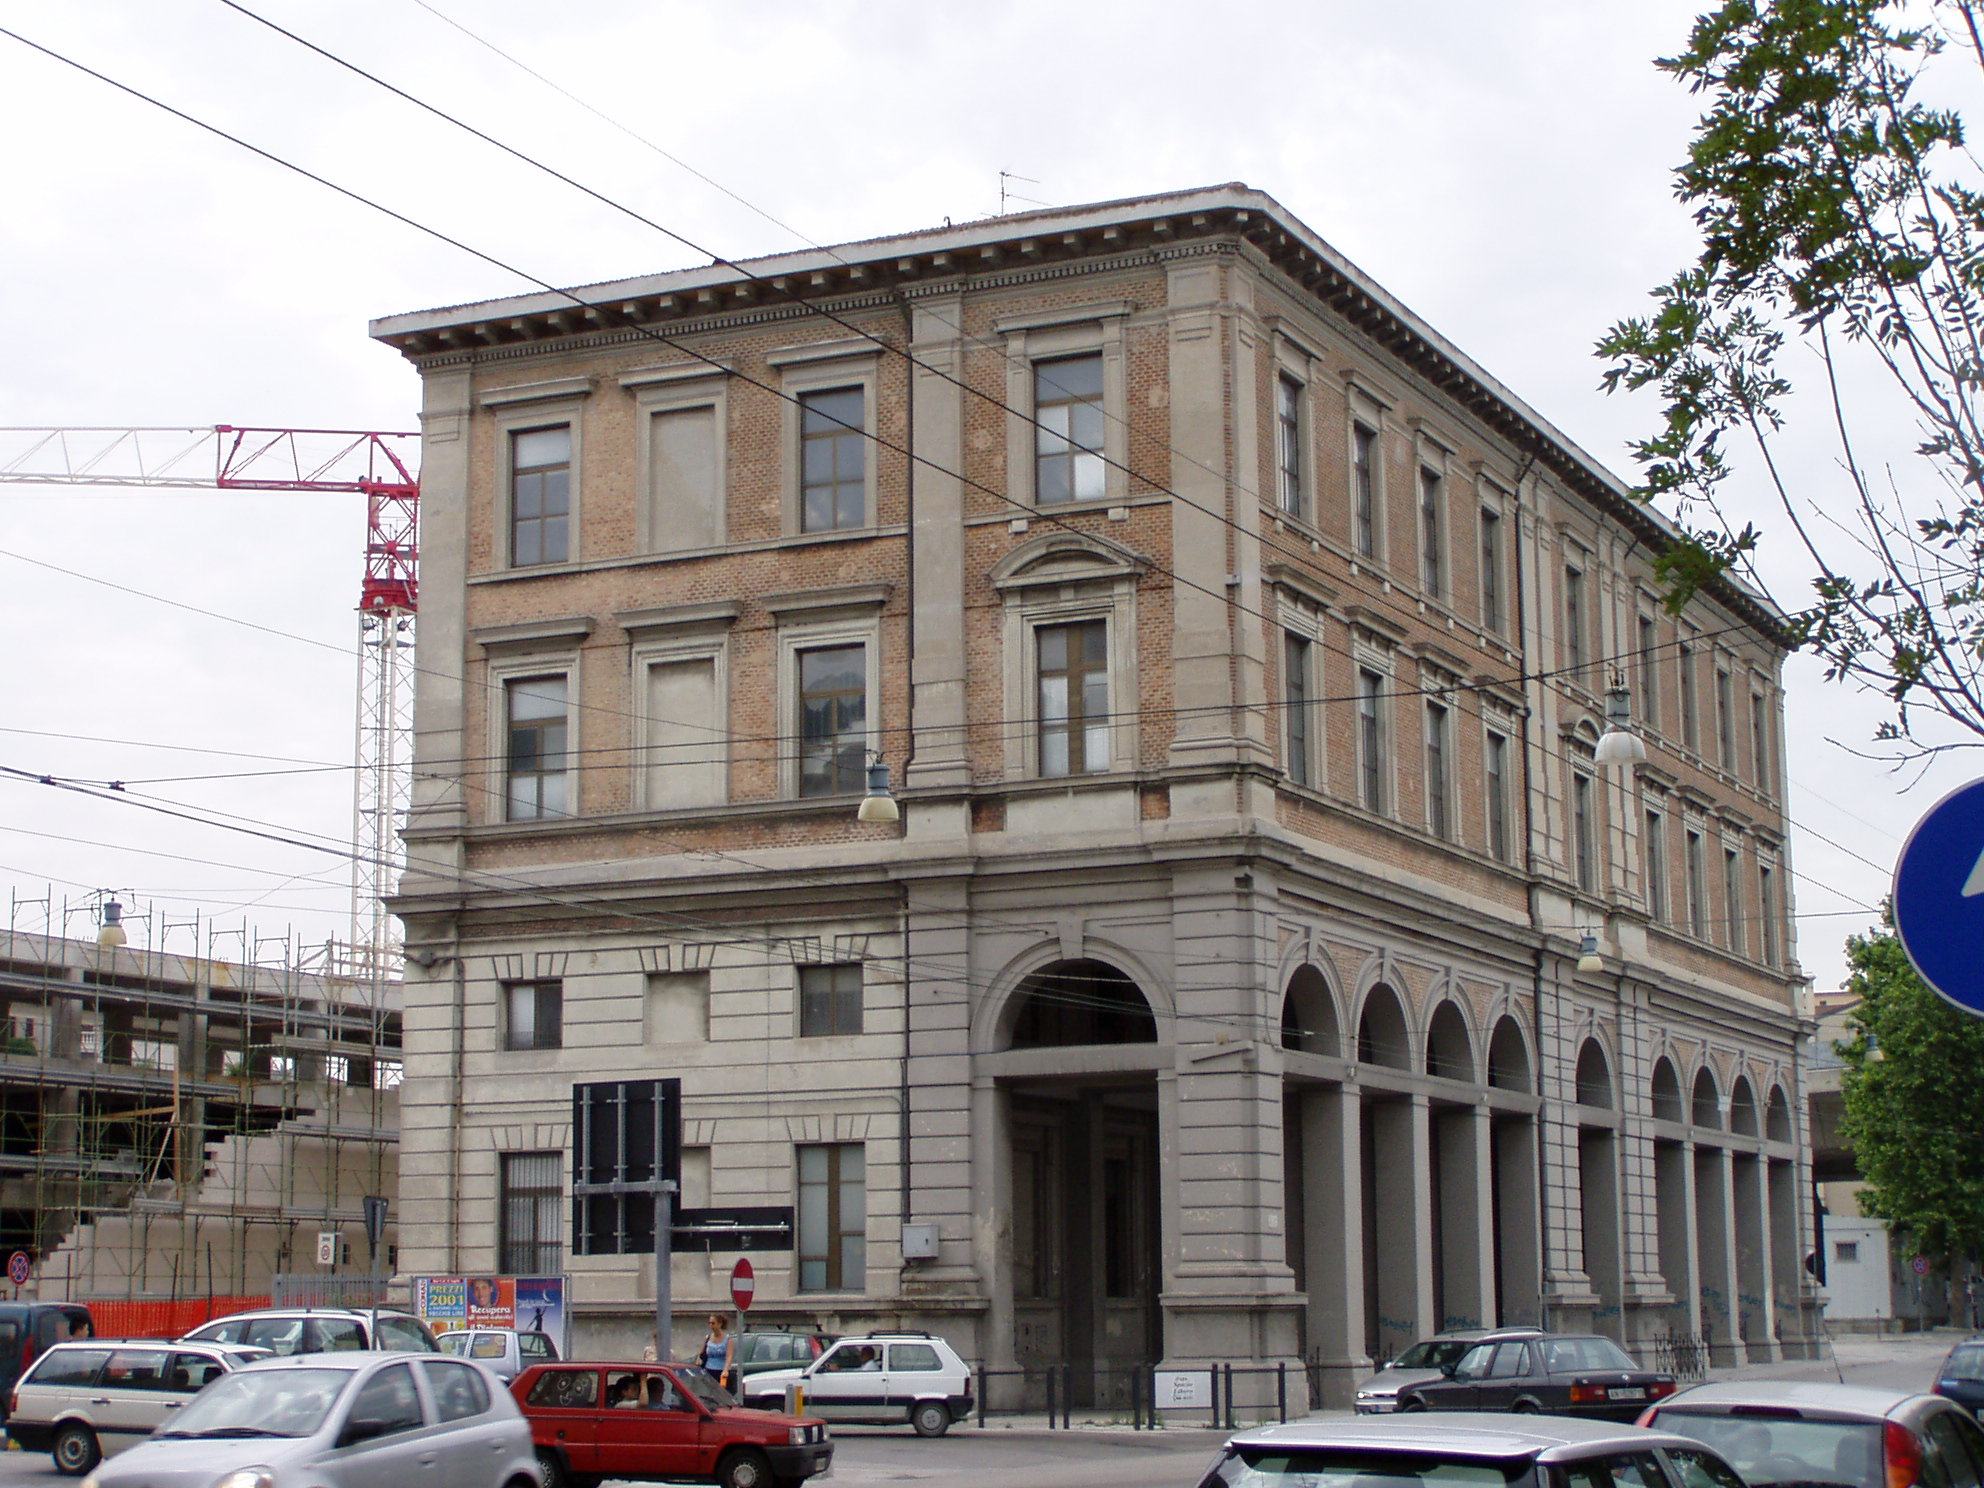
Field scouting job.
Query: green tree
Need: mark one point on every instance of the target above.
(1914, 1101)
(1842, 236)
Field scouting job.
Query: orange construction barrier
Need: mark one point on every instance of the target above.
(121, 1317)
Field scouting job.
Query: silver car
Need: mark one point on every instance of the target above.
(352, 1420)
(1423, 1363)
(84, 1400)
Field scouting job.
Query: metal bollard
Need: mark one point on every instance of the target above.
(1281, 1389)
(1050, 1397)
(795, 1398)
(981, 1399)
(1068, 1397)
(1216, 1418)
(1231, 1422)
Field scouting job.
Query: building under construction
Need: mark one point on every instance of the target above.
(185, 1110)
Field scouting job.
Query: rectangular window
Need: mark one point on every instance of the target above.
(1295, 705)
(833, 460)
(536, 752)
(1697, 872)
(1648, 672)
(534, 1015)
(529, 1241)
(1067, 411)
(1491, 570)
(829, 1000)
(678, 1007)
(833, 720)
(1584, 844)
(1690, 722)
(1438, 735)
(1653, 848)
(1767, 911)
(1725, 721)
(1574, 624)
(684, 745)
(1432, 548)
(685, 508)
(1371, 739)
(1074, 698)
(1364, 488)
(1496, 770)
(540, 495)
(1846, 1250)
(1288, 442)
(833, 1217)
(1758, 743)
(1732, 897)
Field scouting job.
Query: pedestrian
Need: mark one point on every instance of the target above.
(719, 1350)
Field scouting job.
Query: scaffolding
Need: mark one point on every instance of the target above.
(182, 1116)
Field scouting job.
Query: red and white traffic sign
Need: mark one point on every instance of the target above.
(18, 1266)
(743, 1286)
(1920, 1266)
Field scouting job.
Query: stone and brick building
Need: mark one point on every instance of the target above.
(1238, 648)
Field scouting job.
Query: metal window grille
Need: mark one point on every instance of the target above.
(830, 1000)
(1732, 893)
(1653, 847)
(1364, 493)
(540, 495)
(1491, 569)
(1574, 623)
(1074, 697)
(833, 460)
(538, 757)
(1288, 442)
(833, 1217)
(1725, 721)
(1767, 911)
(1432, 554)
(1436, 770)
(1496, 770)
(1697, 887)
(529, 1239)
(1583, 844)
(1068, 440)
(1649, 674)
(1690, 721)
(833, 720)
(1371, 740)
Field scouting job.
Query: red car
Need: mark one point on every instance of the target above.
(657, 1422)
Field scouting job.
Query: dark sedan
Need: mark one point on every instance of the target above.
(1962, 1376)
(1561, 1374)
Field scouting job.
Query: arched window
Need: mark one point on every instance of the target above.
(1777, 1116)
(1594, 1076)
(1667, 1093)
(1707, 1101)
(1743, 1107)
(1508, 1057)
(1381, 1032)
(1308, 1014)
(1081, 1002)
(1449, 1052)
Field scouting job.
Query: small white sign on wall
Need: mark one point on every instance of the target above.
(1184, 1389)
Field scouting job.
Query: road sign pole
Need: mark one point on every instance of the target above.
(664, 1269)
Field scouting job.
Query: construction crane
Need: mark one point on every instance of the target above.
(374, 465)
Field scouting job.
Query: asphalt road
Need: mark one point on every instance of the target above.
(1027, 1456)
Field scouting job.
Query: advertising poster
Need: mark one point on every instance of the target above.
(532, 1304)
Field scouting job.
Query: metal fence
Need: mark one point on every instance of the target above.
(294, 1289)
(1684, 1354)
(1131, 1393)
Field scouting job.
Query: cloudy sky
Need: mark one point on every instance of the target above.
(1503, 169)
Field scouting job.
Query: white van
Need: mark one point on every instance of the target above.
(87, 1399)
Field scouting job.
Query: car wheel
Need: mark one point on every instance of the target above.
(1524, 1408)
(744, 1468)
(551, 1467)
(1412, 1403)
(931, 1418)
(76, 1451)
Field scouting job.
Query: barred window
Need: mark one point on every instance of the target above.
(529, 1242)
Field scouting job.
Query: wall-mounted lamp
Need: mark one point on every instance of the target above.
(1619, 745)
(112, 935)
(1588, 957)
(878, 805)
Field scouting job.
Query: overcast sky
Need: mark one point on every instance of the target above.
(1503, 169)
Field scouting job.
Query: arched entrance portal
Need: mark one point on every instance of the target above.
(1086, 1237)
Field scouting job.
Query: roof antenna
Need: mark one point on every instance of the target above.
(1006, 195)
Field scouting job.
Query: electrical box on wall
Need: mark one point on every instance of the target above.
(919, 1242)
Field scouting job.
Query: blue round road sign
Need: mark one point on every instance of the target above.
(1939, 897)
(18, 1265)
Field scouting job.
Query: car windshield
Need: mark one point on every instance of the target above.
(1785, 1450)
(1570, 1355)
(1434, 1353)
(262, 1402)
(1331, 1467)
(1966, 1362)
(702, 1384)
(453, 1343)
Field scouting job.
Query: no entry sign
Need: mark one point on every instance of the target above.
(742, 1285)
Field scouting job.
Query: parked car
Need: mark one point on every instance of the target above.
(506, 1352)
(1421, 1364)
(1854, 1436)
(651, 1422)
(320, 1330)
(881, 1379)
(360, 1420)
(84, 1400)
(1566, 1374)
(1466, 1451)
(26, 1328)
(777, 1349)
(1962, 1376)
